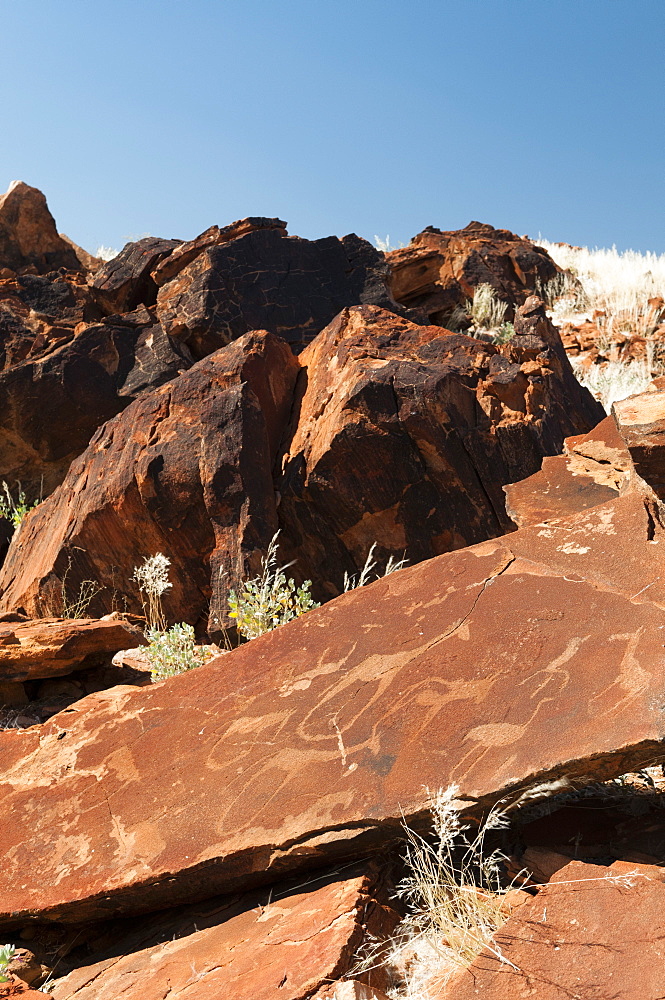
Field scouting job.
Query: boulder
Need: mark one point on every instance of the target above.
(288, 943)
(267, 280)
(87, 260)
(52, 404)
(50, 647)
(509, 668)
(186, 470)
(28, 235)
(184, 254)
(404, 435)
(124, 282)
(594, 931)
(439, 270)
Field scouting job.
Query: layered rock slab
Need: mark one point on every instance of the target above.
(52, 647)
(287, 943)
(404, 435)
(186, 470)
(309, 744)
(593, 932)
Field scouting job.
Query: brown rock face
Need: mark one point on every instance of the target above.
(124, 282)
(267, 280)
(641, 422)
(286, 943)
(28, 235)
(512, 663)
(53, 401)
(186, 470)
(51, 647)
(438, 270)
(595, 931)
(405, 435)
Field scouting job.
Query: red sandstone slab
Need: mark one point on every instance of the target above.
(307, 745)
(601, 936)
(257, 948)
(50, 647)
(554, 492)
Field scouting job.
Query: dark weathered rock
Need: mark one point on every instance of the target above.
(438, 271)
(125, 282)
(595, 931)
(288, 943)
(267, 280)
(186, 470)
(184, 254)
(404, 435)
(56, 646)
(51, 406)
(501, 667)
(28, 235)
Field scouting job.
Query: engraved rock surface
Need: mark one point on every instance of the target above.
(125, 282)
(266, 280)
(498, 667)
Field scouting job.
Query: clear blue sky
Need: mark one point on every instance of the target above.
(373, 116)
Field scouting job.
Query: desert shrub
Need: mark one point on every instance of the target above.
(486, 310)
(14, 510)
(613, 380)
(7, 952)
(269, 599)
(174, 650)
(152, 577)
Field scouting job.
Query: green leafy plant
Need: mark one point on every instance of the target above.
(505, 333)
(14, 510)
(269, 600)
(7, 952)
(174, 650)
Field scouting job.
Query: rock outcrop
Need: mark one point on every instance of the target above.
(289, 943)
(264, 279)
(404, 435)
(443, 420)
(514, 665)
(29, 240)
(53, 400)
(124, 282)
(186, 470)
(439, 270)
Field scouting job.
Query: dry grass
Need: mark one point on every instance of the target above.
(616, 285)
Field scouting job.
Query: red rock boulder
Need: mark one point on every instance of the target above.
(29, 239)
(439, 270)
(185, 470)
(405, 435)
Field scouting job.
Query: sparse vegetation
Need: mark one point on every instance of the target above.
(14, 510)
(487, 311)
(152, 577)
(365, 575)
(269, 599)
(613, 287)
(613, 380)
(174, 650)
(7, 952)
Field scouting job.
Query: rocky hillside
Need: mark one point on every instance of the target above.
(287, 820)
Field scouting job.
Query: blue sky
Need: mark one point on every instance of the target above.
(373, 116)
